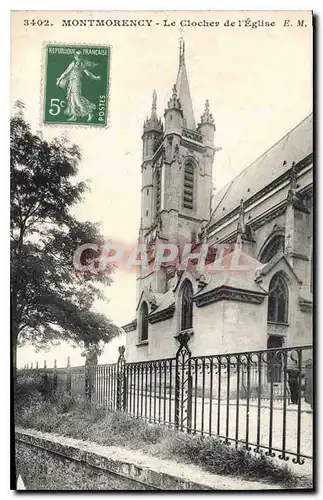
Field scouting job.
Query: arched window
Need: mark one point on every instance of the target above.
(278, 300)
(275, 245)
(143, 325)
(187, 306)
(188, 189)
(157, 191)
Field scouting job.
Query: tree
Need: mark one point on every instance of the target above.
(50, 299)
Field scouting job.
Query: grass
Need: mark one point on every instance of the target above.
(77, 418)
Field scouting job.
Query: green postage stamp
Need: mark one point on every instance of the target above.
(76, 84)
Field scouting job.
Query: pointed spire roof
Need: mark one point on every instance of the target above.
(174, 101)
(153, 122)
(153, 115)
(207, 116)
(183, 90)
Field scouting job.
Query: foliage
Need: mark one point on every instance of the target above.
(29, 387)
(79, 419)
(50, 299)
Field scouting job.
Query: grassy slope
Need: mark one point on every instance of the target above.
(79, 419)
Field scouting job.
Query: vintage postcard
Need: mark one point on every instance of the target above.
(162, 283)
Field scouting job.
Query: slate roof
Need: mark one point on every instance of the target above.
(164, 301)
(294, 146)
(266, 268)
(241, 279)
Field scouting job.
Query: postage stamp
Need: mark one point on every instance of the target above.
(76, 85)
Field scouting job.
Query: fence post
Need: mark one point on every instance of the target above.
(89, 380)
(183, 383)
(45, 377)
(69, 377)
(87, 384)
(309, 383)
(36, 365)
(90, 373)
(55, 375)
(121, 379)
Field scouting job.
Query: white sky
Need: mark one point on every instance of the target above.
(258, 81)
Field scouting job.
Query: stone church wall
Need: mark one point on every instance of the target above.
(303, 325)
(161, 342)
(229, 326)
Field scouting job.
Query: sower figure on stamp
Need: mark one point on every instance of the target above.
(77, 105)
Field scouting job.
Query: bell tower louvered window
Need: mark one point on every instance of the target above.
(188, 195)
(158, 191)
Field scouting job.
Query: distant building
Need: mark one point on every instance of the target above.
(266, 211)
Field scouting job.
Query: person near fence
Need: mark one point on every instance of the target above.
(91, 353)
(293, 380)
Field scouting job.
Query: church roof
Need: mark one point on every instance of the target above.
(241, 278)
(183, 91)
(268, 266)
(164, 300)
(294, 146)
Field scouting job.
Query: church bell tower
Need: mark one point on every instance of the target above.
(177, 163)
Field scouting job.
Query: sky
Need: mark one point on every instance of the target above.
(258, 82)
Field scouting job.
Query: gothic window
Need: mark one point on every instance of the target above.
(158, 191)
(278, 300)
(275, 245)
(143, 325)
(187, 306)
(188, 194)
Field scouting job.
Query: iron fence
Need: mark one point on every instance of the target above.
(261, 400)
(69, 380)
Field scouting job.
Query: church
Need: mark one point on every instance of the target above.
(265, 213)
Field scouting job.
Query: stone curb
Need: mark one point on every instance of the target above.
(137, 466)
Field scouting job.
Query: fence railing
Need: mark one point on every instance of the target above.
(67, 379)
(261, 400)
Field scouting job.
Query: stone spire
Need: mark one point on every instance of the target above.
(181, 51)
(174, 101)
(241, 228)
(153, 122)
(293, 197)
(153, 115)
(207, 117)
(245, 236)
(184, 90)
